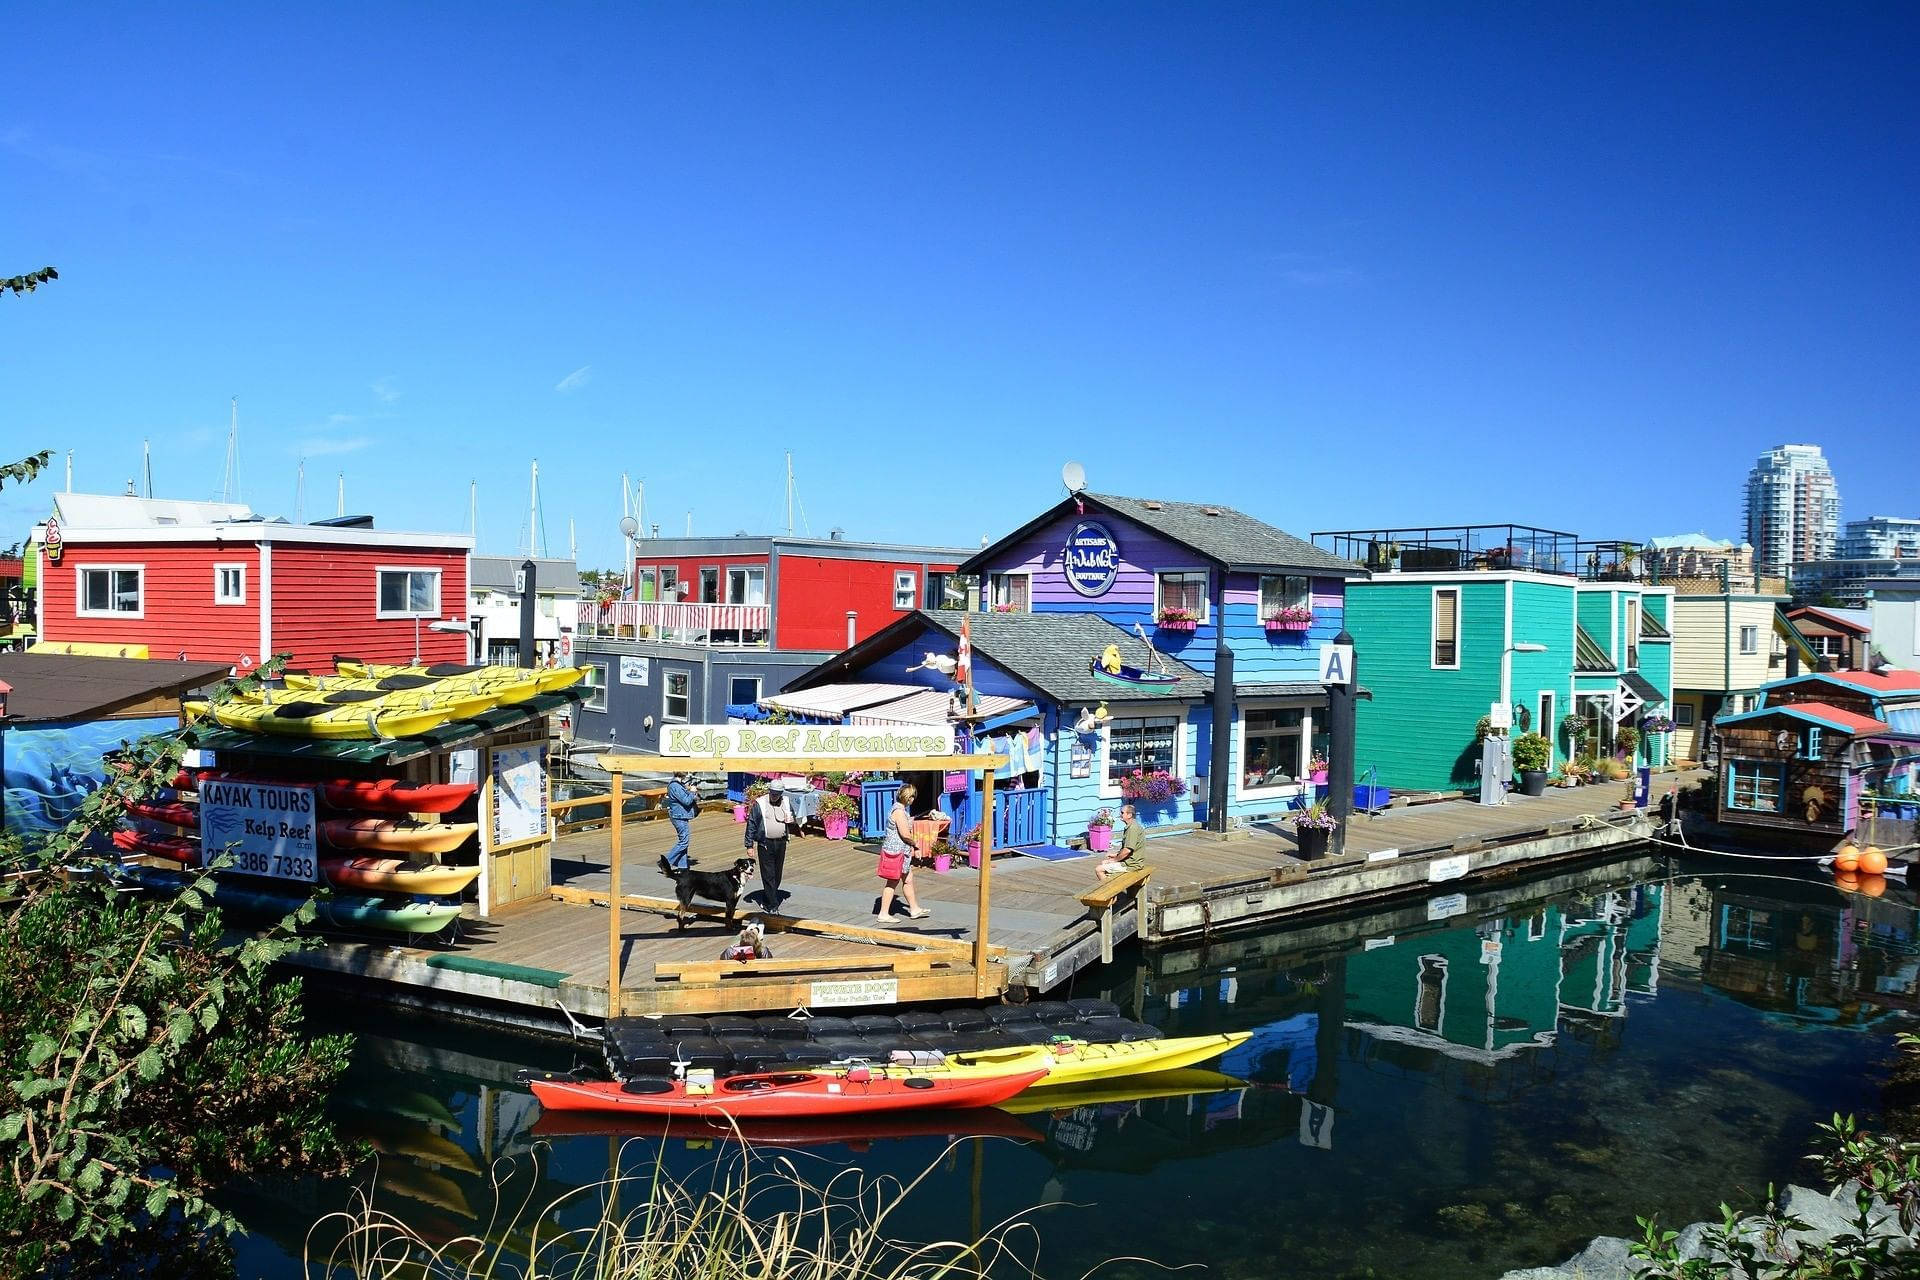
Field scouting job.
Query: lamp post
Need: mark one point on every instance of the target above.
(445, 624)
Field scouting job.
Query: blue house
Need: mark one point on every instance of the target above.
(1193, 589)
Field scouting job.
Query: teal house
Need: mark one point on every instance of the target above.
(1455, 622)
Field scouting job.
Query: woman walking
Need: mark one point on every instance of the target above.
(896, 859)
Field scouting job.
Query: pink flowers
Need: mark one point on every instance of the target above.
(1152, 786)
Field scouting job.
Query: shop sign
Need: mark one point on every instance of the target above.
(1091, 558)
(634, 670)
(807, 742)
(266, 829)
(52, 543)
(854, 993)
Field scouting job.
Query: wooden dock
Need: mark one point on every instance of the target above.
(543, 964)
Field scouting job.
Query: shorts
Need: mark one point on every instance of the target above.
(1112, 866)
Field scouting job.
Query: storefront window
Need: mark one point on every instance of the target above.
(1271, 747)
(1145, 743)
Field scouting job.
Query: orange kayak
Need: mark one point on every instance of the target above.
(397, 835)
(390, 795)
(397, 875)
(172, 848)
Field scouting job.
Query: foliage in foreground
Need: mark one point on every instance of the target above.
(145, 1057)
(742, 1225)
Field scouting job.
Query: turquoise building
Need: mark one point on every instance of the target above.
(1452, 623)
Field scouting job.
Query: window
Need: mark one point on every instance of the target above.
(1810, 743)
(1446, 628)
(1537, 926)
(1430, 999)
(1683, 715)
(679, 696)
(1545, 726)
(644, 579)
(1633, 635)
(1754, 785)
(111, 590)
(743, 691)
(952, 590)
(1270, 748)
(710, 586)
(906, 586)
(409, 593)
(1010, 592)
(1181, 589)
(669, 582)
(595, 686)
(229, 584)
(1287, 591)
(1749, 639)
(1145, 743)
(746, 584)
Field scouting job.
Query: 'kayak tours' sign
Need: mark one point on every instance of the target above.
(806, 741)
(1091, 558)
(266, 828)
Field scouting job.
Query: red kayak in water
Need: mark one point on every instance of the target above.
(848, 1131)
(389, 795)
(782, 1094)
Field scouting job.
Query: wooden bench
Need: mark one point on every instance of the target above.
(1108, 894)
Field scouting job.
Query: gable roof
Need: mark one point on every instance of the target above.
(1050, 653)
(57, 686)
(1858, 621)
(1229, 538)
(1821, 713)
(1892, 685)
(1651, 628)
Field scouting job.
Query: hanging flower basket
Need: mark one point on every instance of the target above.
(1153, 787)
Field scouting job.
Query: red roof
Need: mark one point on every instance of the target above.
(1880, 681)
(1850, 721)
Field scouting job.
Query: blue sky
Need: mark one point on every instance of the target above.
(1335, 264)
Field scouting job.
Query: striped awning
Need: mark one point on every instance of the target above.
(930, 706)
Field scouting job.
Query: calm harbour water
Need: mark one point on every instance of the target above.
(1450, 1088)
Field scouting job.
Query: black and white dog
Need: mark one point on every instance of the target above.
(714, 886)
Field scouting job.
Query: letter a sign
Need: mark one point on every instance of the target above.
(1336, 664)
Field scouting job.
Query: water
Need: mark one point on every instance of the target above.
(1450, 1088)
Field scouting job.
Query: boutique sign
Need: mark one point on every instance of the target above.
(1091, 558)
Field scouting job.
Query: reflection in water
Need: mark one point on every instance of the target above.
(1473, 1083)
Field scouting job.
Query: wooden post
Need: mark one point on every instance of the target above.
(986, 876)
(616, 819)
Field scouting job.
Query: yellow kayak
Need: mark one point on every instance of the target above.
(300, 719)
(461, 704)
(1097, 1093)
(509, 684)
(1076, 1061)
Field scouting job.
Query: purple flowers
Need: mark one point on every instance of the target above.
(1155, 786)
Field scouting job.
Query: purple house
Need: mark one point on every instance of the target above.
(1192, 589)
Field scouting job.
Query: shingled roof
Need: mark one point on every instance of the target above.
(54, 686)
(1228, 537)
(1051, 653)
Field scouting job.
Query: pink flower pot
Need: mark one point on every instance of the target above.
(1099, 839)
(1179, 624)
(835, 825)
(942, 862)
(1319, 777)
(739, 813)
(1289, 624)
(973, 856)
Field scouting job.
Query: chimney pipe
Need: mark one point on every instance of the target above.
(853, 619)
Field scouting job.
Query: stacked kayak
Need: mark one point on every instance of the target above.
(260, 897)
(368, 702)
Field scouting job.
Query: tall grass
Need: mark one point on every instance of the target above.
(756, 1219)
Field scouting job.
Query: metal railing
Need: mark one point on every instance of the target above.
(1451, 548)
(719, 626)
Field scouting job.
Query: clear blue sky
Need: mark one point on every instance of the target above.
(1334, 264)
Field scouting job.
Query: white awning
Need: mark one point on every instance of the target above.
(836, 700)
(930, 706)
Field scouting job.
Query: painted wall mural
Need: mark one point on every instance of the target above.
(50, 769)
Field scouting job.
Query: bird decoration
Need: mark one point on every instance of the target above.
(945, 664)
(1091, 718)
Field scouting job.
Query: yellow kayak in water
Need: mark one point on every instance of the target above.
(540, 679)
(1078, 1062)
(294, 718)
(1096, 1093)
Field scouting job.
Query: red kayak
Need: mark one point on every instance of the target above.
(175, 814)
(172, 848)
(390, 795)
(782, 1095)
(850, 1131)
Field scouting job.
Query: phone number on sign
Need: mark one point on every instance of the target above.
(285, 866)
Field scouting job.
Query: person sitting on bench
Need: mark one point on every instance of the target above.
(1132, 853)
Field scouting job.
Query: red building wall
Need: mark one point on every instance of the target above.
(690, 567)
(326, 602)
(817, 591)
(178, 617)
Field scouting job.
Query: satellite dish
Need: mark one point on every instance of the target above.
(1074, 476)
(628, 526)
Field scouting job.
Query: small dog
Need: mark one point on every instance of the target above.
(714, 886)
(750, 945)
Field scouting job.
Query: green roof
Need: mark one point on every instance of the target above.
(451, 736)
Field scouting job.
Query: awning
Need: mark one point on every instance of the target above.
(1643, 688)
(1588, 654)
(930, 706)
(833, 701)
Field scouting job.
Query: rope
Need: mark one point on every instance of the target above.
(1587, 821)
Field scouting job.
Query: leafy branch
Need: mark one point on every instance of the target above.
(28, 282)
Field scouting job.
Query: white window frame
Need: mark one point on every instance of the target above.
(1631, 638)
(1433, 628)
(80, 572)
(700, 584)
(759, 689)
(664, 590)
(231, 567)
(1302, 776)
(1440, 966)
(1546, 706)
(1749, 632)
(1206, 589)
(747, 572)
(996, 580)
(905, 582)
(380, 571)
(596, 686)
(1109, 789)
(1260, 590)
(643, 573)
(667, 675)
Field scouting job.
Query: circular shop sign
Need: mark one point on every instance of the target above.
(1091, 558)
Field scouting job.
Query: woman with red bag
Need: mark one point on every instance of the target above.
(896, 859)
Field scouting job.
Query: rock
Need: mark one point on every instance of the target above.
(1536, 1273)
(1465, 1219)
(1825, 1216)
(1605, 1259)
(1691, 1241)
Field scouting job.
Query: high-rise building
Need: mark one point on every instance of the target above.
(1793, 508)
(1880, 538)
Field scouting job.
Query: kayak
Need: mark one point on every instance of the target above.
(175, 814)
(172, 848)
(859, 1130)
(397, 875)
(506, 684)
(397, 835)
(459, 704)
(1076, 1061)
(786, 1094)
(258, 896)
(1100, 1093)
(390, 795)
(302, 719)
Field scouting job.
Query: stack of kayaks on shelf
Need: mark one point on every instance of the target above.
(365, 702)
(744, 1067)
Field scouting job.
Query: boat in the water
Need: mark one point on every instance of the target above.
(390, 795)
(783, 1094)
(853, 1131)
(1099, 1093)
(1072, 1062)
(397, 835)
(397, 875)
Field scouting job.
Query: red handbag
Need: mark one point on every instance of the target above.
(892, 865)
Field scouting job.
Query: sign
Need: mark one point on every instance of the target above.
(566, 645)
(1376, 944)
(1091, 558)
(1500, 715)
(519, 795)
(1336, 664)
(1383, 855)
(519, 582)
(848, 994)
(807, 741)
(1444, 908)
(1642, 786)
(52, 544)
(635, 670)
(267, 829)
(1316, 1125)
(1490, 950)
(1447, 868)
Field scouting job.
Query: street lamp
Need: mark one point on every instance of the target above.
(447, 624)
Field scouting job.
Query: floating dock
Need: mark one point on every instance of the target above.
(543, 964)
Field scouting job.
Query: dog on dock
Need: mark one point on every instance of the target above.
(750, 945)
(713, 886)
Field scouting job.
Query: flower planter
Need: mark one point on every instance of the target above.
(1099, 839)
(1533, 782)
(835, 825)
(1318, 778)
(1178, 624)
(973, 856)
(1288, 624)
(942, 863)
(1312, 841)
(739, 813)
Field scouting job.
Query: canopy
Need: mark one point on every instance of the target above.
(930, 706)
(836, 700)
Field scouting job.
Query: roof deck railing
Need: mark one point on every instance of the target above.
(1453, 548)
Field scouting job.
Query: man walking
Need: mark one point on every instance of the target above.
(682, 805)
(768, 821)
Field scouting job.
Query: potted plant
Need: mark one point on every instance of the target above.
(837, 814)
(971, 843)
(1531, 751)
(1626, 739)
(1312, 830)
(1317, 770)
(1100, 831)
(1289, 617)
(1176, 618)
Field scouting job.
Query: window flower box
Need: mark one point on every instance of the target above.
(1283, 622)
(1152, 787)
(1177, 619)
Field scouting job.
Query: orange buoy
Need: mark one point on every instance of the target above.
(1873, 886)
(1872, 861)
(1846, 880)
(1846, 858)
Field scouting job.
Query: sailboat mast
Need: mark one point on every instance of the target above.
(340, 495)
(299, 493)
(230, 481)
(146, 463)
(789, 493)
(473, 511)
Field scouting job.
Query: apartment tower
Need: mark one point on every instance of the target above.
(1793, 508)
